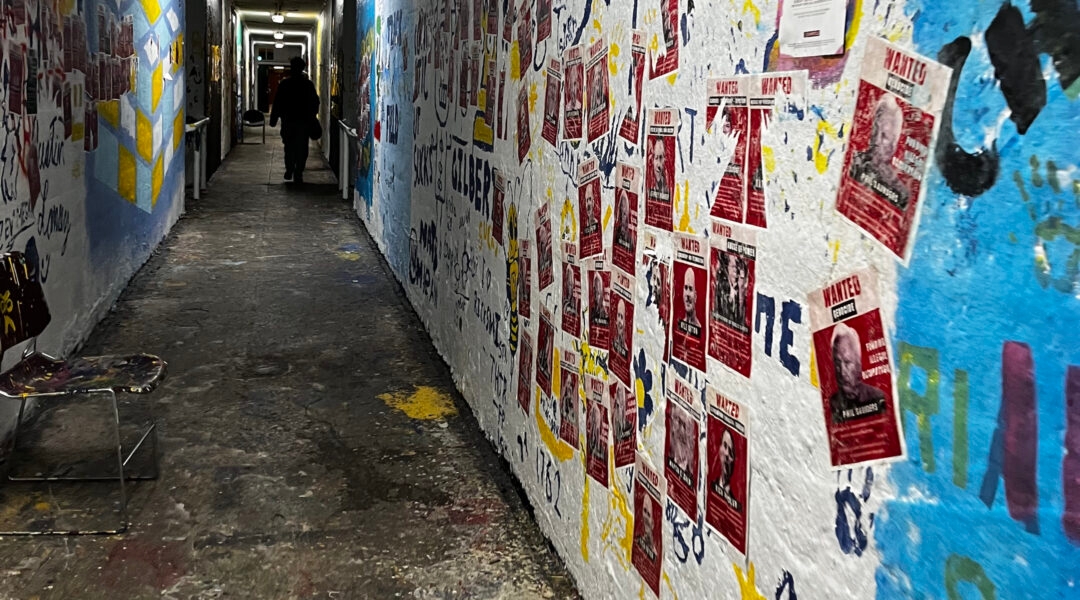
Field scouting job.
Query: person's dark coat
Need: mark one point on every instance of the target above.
(296, 103)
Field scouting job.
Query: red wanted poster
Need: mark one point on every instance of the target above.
(477, 19)
(658, 277)
(733, 254)
(476, 74)
(622, 329)
(681, 460)
(523, 139)
(631, 123)
(575, 93)
(661, 126)
(497, 209)
(489, 93)
(897, 111)
(624, 240)
(598, 106)
(508, 21)
(668, 62)
(855, 372)
(543, 247)
(503, 130)
(599, 309)
(569, 397)
(571, 294)
(592, 233)
(766, 91)
(727, 459)
(552, 102)
(524, 282)
(728, 96)
(525, 374)
(525, 41)
(647, 553)
(545, 346)
(543, 20)
(492, 9)
(690, 281)
(464, 78)
(623, 423)
(596, 430)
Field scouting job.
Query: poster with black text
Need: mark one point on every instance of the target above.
(681, 448)
(622, 328)
(732, 260)
(599, 311)
(574, 80)
(571, 292)
(525, 282)
(766, 90)
(596, 430)
(592, 233)
(628, 182)
(623, 423)
(569, 397)
(647, 552)
(728, 109)
(661, 126)
(727, 475)
(630, 130)
(668, 61)
(545, 348)
(545, 275)
(689, 283)
(497, 208)
(599, 109)
(552, 102)
(525, 374)
(523, 137)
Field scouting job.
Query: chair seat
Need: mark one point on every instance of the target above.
(41, 375)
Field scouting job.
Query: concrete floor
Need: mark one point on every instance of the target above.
(311, 442)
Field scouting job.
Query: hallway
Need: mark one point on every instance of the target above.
(311, 441)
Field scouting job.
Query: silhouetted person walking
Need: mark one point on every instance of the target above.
(297, 105)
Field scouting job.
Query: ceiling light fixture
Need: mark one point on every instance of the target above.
(277, 18)
(279, 45)
(279, 35)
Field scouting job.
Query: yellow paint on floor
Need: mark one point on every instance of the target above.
(42, 506)
(425, 403)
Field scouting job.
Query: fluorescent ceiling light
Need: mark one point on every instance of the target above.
(277, 18)
(279, 68)
(279, 45)
(279, 35)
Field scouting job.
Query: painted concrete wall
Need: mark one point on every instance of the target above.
(982, 321)
(92, 154)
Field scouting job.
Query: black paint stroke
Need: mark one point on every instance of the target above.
(1016, 66)
(1056, 31)
(970, 174)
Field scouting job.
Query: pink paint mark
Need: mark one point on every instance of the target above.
(1070, 465)
(1021, 432)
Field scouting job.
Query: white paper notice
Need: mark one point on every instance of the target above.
(812, 27)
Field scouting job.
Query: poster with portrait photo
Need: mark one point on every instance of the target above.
(525, 280)
(647, 552)
(476, 72)
(897, 113)
(623, 423)
(523, 139)
(17, 77)
(630, 129)
(574, 80)
(682, 424)
(592, 232)
(490, 85)
(464, 77)
(658, 280)
(491, 9)
(732, 260)
(497, 206)
(525, 39)
(727, 468)
(728, 109)
(854, 371)
(598, 105)
(766, 91)
(508, 21)
(622, 327)
(545, 275)
(545, 348)
(668, 61)
(689, 283)
(503, 130)
(628, 183)
(599, 309)
(552, 102)
(525, 374)
(596, 430)
(661, 125)
(543, 20)
(477, 19)
(571, 291)
(569, 397)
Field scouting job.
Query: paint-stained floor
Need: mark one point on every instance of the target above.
(311, 442)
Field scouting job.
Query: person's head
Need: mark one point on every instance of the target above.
(590, 203)
(659, 153)
(847, 359)
(297, 65)
(622, 209)
(885, 131)
(620, 320)
(731, 271)
(647, 520)
(597, 291)
(689, 292)
(681, 439)
(568, 282)
(727, 457)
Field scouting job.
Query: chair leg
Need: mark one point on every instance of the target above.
(14, 441)
(120, 464)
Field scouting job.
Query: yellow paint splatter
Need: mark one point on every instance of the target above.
(853, 29)
(671, 78)
(813, 368)
(667, 580)
(613, 53)
(515, 72)
(558, 449)
(589, 364)
(532, 98)
(821, 160)
(618, 506)
(835, 251)
(567, 222)
(768, 158)
(348, 255)
(683, 194)
(746, 584)
(754, 10)
(42, 506)
(607, 217)
(585, 522)
(425, 403)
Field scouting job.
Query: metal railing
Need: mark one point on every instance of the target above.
(344, 155)
(198, 128)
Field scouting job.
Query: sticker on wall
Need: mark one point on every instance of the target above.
(596, 430)
(592, 234)
(498, 198)
(630, 130)
(525, 42)
(525, 283)
(681, 448)
(897, 114)
(569, 397)
(624, 239)
(599, 310)
(599, 109)
(490, 84)
(765, 92)
(475, 72)
(543, 20)
(508, 21)
(575, 95)
(623, 423)
(545, 346)
(523, 139)
(812, 28)
(728, 98)
(525, 374)
(544, 273)
(647, 553)
(571, 294)
(731, 265)
(855, 372)
(552, 102)
(464, 77)
(727, 459)
(662, 125)
(668, 61)
(658, 300)
(690, 281)
(622, 329)
(502, 107)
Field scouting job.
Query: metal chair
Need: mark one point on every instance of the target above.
(254, 118)
(24, 314)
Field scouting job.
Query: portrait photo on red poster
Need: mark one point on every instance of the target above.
(589, 209)
(732, 263)
(545, 346)
(524, 141)
(623, 423)
(525, 39)
(573, 87)
(689, 330)
(660, 168)
(624, 236)
(647, 552)
(622, 327)
(668, 61)
(630, 129)
(658, 274)
(525, 375)
(596, 431)
(497, 209)
(755, 168)
(599, 309)
(598, 105)
(681, 456)
(728, 470)
(525, 279)
(552, 102)
(571, 299)
(544, 253)
(728, 112)
(569, 398)
(543, 20)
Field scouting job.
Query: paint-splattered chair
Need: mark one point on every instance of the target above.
(24, 314)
